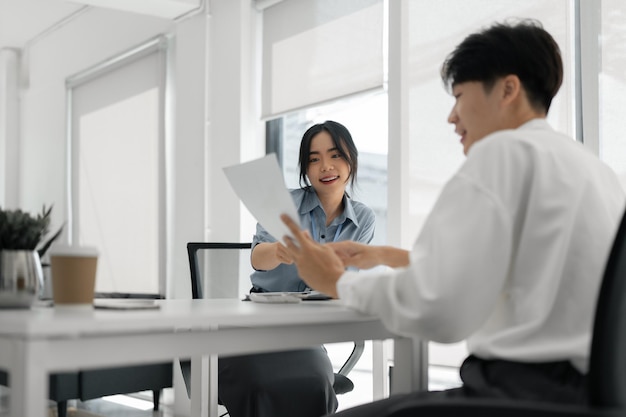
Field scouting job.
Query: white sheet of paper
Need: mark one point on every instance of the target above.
(261, 187)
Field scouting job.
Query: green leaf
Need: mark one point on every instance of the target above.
(20, 230)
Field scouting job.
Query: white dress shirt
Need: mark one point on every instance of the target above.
(512, 254)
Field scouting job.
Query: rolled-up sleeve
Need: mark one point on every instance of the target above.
(261, 236)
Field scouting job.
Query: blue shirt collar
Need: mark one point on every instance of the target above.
(310, 201)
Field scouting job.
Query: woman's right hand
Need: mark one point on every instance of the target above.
(267, 256)
(281, 253)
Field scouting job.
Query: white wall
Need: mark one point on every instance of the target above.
(9, 128)
(231, 110)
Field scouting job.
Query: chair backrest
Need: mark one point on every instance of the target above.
(219, 269)
(607, 366)
(224, 262)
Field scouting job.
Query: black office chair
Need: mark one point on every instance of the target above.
(607, 365)
(342, 384)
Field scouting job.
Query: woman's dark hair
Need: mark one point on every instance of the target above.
(342, 140)
(524, 49)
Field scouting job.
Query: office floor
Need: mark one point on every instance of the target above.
(106, 407)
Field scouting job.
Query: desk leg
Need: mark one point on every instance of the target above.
(28, 379)
(212, 388)
(199, 385)
(204, 386)
(410, 371)
(380, 369)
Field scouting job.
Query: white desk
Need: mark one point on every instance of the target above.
(36, 342)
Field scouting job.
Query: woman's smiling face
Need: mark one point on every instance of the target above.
(327, 171)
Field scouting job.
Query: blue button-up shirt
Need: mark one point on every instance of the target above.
(357, 223)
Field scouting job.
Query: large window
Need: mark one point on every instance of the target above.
(417, 112)
(613, 85)
(435, 153)
(365, 118)
(116, 168)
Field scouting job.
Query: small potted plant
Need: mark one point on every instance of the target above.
(22, 246)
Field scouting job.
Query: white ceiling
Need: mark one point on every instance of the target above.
(23, 20)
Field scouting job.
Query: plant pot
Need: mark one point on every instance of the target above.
(21, 278)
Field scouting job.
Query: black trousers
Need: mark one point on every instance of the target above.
(296, 383)
(556, 382)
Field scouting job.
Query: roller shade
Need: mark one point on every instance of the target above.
(318, 50)
(116, 168)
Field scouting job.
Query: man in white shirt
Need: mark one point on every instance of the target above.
(512, 255)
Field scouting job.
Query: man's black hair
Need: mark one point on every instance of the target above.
(524, 49)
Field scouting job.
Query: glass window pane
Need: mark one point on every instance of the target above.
(435, 152)
(366, 119)
(613, 86)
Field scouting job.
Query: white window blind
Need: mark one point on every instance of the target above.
(318, 50)
(116, 170)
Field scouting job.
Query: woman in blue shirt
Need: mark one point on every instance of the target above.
(299, 383)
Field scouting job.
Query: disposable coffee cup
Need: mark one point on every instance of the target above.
(73, 271)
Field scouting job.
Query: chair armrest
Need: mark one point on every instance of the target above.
(354, 357)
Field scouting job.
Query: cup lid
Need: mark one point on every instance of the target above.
(60, 250)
